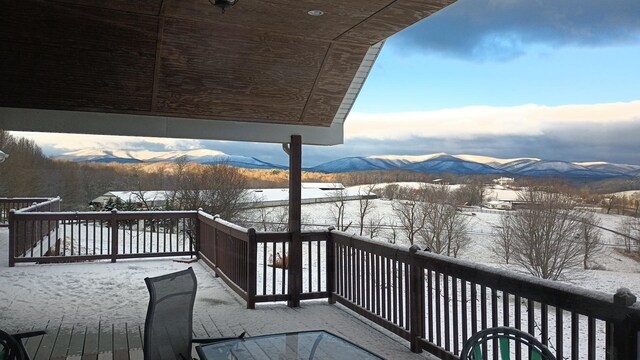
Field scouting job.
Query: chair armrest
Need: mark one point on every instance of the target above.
(29, 334)
(215, 340)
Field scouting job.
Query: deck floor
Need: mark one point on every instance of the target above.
(97, 310)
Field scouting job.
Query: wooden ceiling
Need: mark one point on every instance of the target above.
(262, 61)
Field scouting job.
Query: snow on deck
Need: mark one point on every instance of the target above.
(93, 292)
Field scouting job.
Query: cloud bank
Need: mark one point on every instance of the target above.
(506, 29)
(600, 132)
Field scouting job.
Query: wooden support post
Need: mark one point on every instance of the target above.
(295, 202)
(252, 273)
(626, 332)
(114, 235)
(331, 267)
(416, 301)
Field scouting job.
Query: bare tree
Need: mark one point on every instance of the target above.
(543, 235)
(446, 229)
(627, 229)
(589, 236)
(503, 238)
(218, 189)
(365, 203)
(374, 225)
(412, 217)
(338, 210)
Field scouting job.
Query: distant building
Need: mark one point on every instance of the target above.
(504, 181)
(499, 205)
(143, 200)
(311, 193)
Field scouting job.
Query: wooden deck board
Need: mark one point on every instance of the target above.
(61, 346)
(134, 339)
(90, 350)
(105, 342)
(120, 342)
(47, 344)
(76, 343)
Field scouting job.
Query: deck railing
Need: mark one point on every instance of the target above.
(435, 302)
(46, 237)
(8, 204)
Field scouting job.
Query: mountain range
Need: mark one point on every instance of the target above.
(431, 163)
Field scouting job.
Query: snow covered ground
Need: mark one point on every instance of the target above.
(32, 296)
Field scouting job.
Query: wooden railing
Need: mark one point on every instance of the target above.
(46, 237)
(436, 302)
(225, 247)
(8, 204)
(246, 260)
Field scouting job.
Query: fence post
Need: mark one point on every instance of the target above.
(114, 235)
(625, 332)
(12, 240)
(252, 254)
(416, 301)
(331, 267)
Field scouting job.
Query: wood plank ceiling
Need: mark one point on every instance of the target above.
(261, 61)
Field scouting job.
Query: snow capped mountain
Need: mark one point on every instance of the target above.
(430, 163)
(202, 156)
(99, 156)
(473, 164)
(453, 165)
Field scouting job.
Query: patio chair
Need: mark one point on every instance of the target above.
(169, 323)
(473, 347)
(11, 347)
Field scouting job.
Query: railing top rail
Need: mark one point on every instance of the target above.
(568, 297)
(225, 226)
(39, 202)
(23, 199)
(103, 215)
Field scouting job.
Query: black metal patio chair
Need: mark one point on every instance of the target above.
(475, 346)
(169, 323)
(11, 347)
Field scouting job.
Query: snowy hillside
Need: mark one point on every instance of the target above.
(202, 156)
(430, 163)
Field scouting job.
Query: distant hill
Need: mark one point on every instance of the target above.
(202, 156)
(431, 163)
(480, 165)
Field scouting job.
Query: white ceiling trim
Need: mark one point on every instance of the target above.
(357, 83)
(80, 122)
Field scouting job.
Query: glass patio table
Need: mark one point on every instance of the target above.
(294, 345)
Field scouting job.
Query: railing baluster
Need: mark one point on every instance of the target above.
(575, 335)
(559, 334)
(446, 314)
(438, 323)
(494, 318)
(591, 338)
(456, 325)
(463, 300)
(430, 304)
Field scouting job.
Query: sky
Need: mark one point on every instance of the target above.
(553, 79)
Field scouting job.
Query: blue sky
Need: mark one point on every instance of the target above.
(558, 80)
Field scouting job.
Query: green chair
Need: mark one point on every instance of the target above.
(472, 349)
(11, 347)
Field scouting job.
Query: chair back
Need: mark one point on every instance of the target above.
(10, 349)
(476, 346)
(168, 326)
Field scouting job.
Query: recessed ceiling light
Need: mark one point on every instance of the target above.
(315, 12)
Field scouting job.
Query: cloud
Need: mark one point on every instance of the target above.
(474, 121)
(505, 29)
(600, 132)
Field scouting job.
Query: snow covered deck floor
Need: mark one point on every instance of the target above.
(97, 310)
